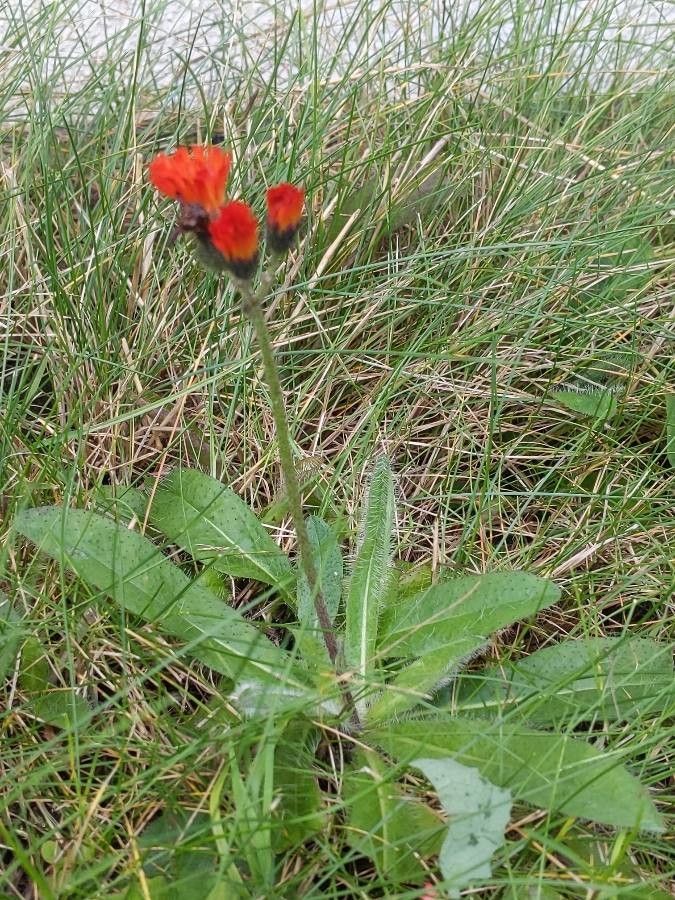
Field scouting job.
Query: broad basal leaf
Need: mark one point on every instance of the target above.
(446, 624)
(299, 808)
(386, 823)
(553, 771)
(478, 812)
(179, 844)
(609, 678)
(122, 502)
(127, 567)
(215, 526)
(415, 683)
(61, 708)
(462, 613)
(34, 670)
(369, 580)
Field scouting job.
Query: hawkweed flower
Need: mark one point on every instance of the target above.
(195, 176)
(285, 204)
(234, 234)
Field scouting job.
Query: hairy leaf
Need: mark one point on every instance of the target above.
(215, 526)
(553, 771)
(415, 683)
(447, 623)
(127, 567)
(461, 614)
(610, 678)
(370, 576)
(599, 405)
(478, 815)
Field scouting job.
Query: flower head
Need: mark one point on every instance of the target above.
(285, 204)
(234, 234)
(196, 176)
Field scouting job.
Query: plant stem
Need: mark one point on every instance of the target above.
(253, 310)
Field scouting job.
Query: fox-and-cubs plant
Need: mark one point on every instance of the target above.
(374, 657)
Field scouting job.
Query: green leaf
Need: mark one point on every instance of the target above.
(257, 698)
(478, 815)
(34, 672)
(461, 614)
(124, 503)
(670, 428)
(415, 683)
(328, 565)
(387, 824)
(552, 771)
(63, 709)
(370, 576)
(127, 567)
(406, 582)
(179, 845)
(598, 405)
(610, 678)
(299, 810)
(11, 634)
(215, 526)
(447, 623)
(157, 888)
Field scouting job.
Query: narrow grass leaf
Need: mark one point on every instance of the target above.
(670, 428)
(129, 568)
(478, 814)
(215, 526)
(370, 576)
(551, 771)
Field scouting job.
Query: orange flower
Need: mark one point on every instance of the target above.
(196, 176)
(285, 203)
(234, 233)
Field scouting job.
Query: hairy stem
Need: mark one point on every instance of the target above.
(252, 308)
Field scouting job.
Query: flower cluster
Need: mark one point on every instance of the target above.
(227, 231)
